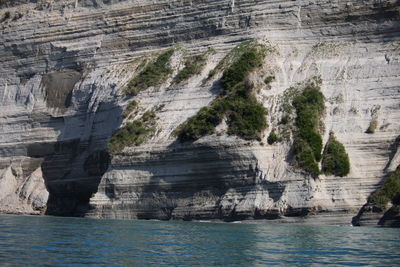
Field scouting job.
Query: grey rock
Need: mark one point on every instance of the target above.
(63, 65)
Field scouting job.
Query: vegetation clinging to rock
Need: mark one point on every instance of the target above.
(155, 73)
(245, 116)
(130, 108)
(193, 66)
(273, 138)
(309, 106)
(234, 77)
(268, 80)
(133, 133)
(372, 126)
(237, 52)
(201, 124)
(389, 190)
(335, 159)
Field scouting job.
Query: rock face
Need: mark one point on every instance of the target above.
(370, 215)
(22, 190)
(63, 65)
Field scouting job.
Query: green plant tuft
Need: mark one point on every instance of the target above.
(245, 116)
(273, 138)
(130, 108)
(285, 119)
(335, 159)
(309, 107)
(389, 190)
(193, 66)
(201, 124)
(133, 133)
(234, 77)
(237, 52)
(305, 157)
(155, 73)
(269, 80)
(372, 126)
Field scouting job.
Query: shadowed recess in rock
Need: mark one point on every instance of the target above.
(58, 87)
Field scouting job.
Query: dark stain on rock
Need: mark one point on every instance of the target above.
(58, 87)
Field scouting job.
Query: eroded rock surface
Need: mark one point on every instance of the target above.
(63, 66)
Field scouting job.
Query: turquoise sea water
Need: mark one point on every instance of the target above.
(52, 241)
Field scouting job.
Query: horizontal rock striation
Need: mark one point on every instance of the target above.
(63, 65)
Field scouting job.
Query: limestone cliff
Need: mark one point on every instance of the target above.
(64, 66)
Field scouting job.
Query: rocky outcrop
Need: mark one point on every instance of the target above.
(382, 207)
(63, 66)
(22, 189)
(371, 215)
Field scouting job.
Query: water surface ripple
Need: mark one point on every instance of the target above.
(53, 241)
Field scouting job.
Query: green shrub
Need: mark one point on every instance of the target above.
(372, 126)
(273, 138)
(335, 159)
(193, 66)
(155, 73)
(305, 157)
(201, 124)
(269, 80)
(309, 107)
(133, 133)
(245, 116)
(17, 16)
(149, 116)
(389, 190)
(235, 75)
(233, 54)
(130, 108)
(237, 52)
(285, 119)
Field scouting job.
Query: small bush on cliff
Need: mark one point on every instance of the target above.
(201, 124)
(245, 115)
(273, 138)
(155, 73)
(268, 80)
(130, 108)
(285, 119)
(237, 52)
(246, 118)
(335, 159)
(6, 15)
(193, 66)
(234, 77)
(305, 157)
(309, 107)
(133, 133)
(372, 126)
(389, 190)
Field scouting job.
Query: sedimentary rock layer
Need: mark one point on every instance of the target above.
(63, 65)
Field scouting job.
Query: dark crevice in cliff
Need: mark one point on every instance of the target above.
(73, 171)
(72, 168)
(72, 176)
